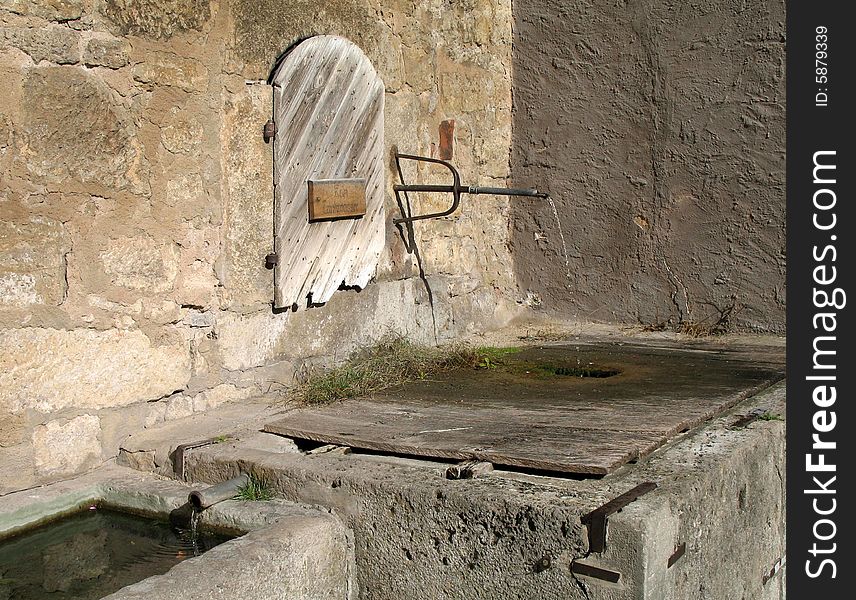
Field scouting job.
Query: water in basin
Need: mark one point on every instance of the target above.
(93, 553)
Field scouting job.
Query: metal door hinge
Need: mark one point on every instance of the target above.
(271, 260)
(269, 130)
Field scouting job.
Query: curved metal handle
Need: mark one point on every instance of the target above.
(455, 188)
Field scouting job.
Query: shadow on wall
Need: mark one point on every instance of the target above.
(659, 131)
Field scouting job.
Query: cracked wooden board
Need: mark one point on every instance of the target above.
(445, 432)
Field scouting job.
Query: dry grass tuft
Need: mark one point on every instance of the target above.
(390, 362)
(708, 327)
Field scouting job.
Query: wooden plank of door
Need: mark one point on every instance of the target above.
(328, 107)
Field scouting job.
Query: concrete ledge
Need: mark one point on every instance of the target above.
(299, 557)
(720, 492)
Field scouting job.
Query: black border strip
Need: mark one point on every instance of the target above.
(821, 230)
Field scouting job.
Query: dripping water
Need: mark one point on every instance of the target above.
(194, 536)
(561, 237)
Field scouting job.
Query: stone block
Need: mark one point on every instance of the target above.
(197, 285)
(249, 209)
(118, 423)
(52, 10)
(142, 460)
(157, 18)
(12, 428)
(32, 262)
(7, 132)
(348, 320)
(49, 369)
(388, 60)
(220, 395)
(74, 130)
(17, 472)
(181, 132)
(67, 447)
(185, 190)
(168, 69)
(178, 407)
(302, 555)
(263, 28)
(247, 341)
(53, 43)
(187, 198)
(106, 52)
(156, 414)
(468, 92)
(141, 263)
(419, 68)
(18, 290)
(196, 318)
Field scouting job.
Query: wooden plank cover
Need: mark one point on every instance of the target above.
(328, 108)
(513, 418)
(448, 432)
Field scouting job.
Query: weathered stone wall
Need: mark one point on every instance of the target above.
(659, 129)
(136, 207)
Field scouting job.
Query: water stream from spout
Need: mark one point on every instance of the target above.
(194, 536)
(561, 237)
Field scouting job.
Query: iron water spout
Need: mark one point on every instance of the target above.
(456, 189)
(202, 499)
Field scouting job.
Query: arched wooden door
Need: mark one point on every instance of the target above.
(328, 109)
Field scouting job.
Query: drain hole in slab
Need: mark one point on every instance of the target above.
(580, 371)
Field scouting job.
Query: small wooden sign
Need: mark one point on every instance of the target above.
(336, 199)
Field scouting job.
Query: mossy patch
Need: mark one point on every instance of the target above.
(561, 369)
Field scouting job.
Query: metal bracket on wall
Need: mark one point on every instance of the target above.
(456, 189)
(596, 520)
(680, 550)
(579, 568)
(178, 455)
(774, 571)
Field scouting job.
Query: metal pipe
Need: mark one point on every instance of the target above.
(456, 189)
(202, 499)
(467, 189)
(473, 189)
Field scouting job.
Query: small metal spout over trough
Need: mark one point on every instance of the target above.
(456, 189)
(202, 499)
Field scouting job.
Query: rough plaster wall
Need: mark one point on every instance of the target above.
(136, 207)
(659, 129)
